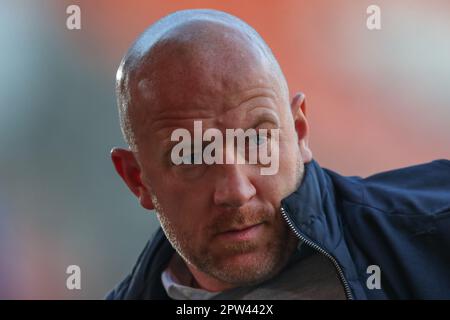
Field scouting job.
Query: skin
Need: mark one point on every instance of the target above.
(226, 80)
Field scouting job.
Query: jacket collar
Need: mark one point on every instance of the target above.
(312, 208)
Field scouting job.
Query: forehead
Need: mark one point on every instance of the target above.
(200, 72)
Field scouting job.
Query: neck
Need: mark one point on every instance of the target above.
(206, 282)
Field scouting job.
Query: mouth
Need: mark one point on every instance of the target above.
(242, 233)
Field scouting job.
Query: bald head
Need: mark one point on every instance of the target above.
(183, 59)
(206, 73)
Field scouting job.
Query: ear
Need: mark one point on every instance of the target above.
(129, 170)
(298, 109)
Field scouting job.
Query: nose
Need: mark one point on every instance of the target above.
(233, 188)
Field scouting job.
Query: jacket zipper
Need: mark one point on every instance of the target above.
(319, 249)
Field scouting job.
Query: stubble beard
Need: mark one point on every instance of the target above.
(259, 268)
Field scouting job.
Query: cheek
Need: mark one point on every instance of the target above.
(184, 209)
(289, 157)
(269, 189)
(283, 183)
(182, 227)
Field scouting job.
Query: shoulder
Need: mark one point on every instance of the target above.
(133, 284)
(119, 292)
(418, 189)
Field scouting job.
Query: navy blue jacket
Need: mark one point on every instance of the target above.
(398, 221)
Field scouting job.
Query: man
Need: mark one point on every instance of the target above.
(231, 232)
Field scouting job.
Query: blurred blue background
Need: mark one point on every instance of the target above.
(60, 201)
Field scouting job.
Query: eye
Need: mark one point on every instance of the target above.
(188, 168)
(258, 139)
(191, 158)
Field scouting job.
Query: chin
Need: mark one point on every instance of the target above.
(247, 268)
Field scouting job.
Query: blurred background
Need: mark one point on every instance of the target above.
(376, 100)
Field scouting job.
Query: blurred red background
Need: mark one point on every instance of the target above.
(376, 99)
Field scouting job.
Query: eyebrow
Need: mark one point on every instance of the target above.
(266, 115)
(260, 115)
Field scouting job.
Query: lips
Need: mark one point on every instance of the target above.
(243, 228)
(242, 233)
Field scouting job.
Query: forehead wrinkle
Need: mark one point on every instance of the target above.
(259, 93)
(171, 122)
(252, 100)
